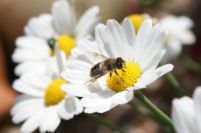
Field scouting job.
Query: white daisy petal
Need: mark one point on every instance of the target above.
(30, 67)
(40, 26)
(155, 44)
(77, 68)
(129, 31)
(89, 49)
(73, 105)
(31, 42)
(70, 107)
(122, 97)
(24, 111)
(188, 37)
(141, 43)
(99, 105)
(186, 21)
(21, 55)
(197, 106)
(62, 111)
(27, 89)
(173, 49)
(87, 22)
(149, 77)
(77, 64)
(76, 90)
(131, 36)
(144, 80)
(30, 48)
(183, 107)
(22, 97)
(153, 61)
(102, 39)
(63, 17)
(78, 106)
(103, 104)
(160, 71)
(36, 81)
(70, 76)
(33, 122)
(117, 39)
(50, 120)
(179, 28)
(22, 101)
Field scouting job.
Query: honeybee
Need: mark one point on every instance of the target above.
(108, 65)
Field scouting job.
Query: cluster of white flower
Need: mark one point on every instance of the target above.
(41, 54)
(186, 113)
(65, 70)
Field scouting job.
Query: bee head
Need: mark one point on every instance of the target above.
(51, 43)
(120, 63)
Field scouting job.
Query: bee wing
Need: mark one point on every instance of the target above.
(93, 80)
(97, 57)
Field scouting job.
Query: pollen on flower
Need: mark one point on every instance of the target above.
(124, 78)
(66, 43)
(53, 93)
(137, 20)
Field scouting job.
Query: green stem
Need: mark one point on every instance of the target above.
(140, 110)
(191, 64)
(163, 117)
(175, 84)
(150, 115)
(106, 123)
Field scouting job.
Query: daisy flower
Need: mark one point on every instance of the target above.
(35, 50)
(186, 113)
(179, 29)
(135, 57)
(42, 103)
(179, 34)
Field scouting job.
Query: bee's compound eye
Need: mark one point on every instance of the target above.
(119, 63)
(51, 43)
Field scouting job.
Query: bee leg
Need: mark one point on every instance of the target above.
(116, 72)
(123, 70)
(110, 74)
(92, 80)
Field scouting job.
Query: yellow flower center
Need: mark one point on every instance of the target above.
(137, 20)
(125, 78)
(53, 93)
(66, 43)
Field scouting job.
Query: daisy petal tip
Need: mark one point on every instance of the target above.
(16, 84)
(170, 67)
(148, 22)
(99, 27)
(95, 8)
(197, 92)
(127, 22)
(111, 22)
(198, 89)
(14, 120)
(18, 40)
